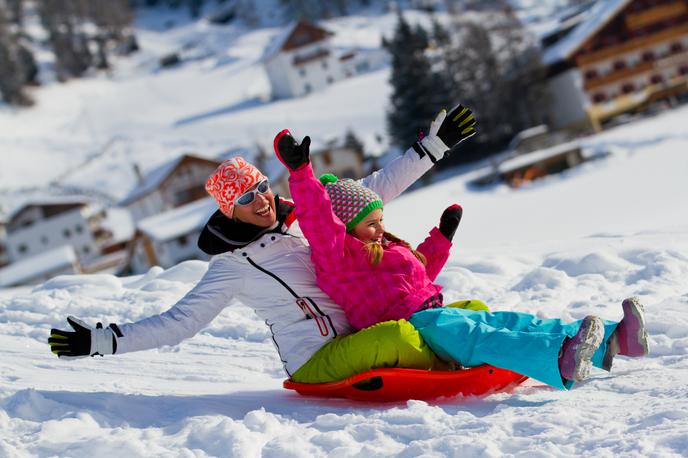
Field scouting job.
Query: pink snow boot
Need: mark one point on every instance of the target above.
(630, 337)
(575, 357)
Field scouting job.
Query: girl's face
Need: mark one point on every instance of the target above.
(370, 228)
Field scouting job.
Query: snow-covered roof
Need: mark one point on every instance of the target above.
(153, 179)
(48, 201)
(281, 40)
(523, 160)
(179, 221)
(34, 266)
(597, 17)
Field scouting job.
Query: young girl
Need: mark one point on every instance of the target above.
(375, 277)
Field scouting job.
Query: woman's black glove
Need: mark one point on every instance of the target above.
(446, 131)
(290, 152)
(450, 220)
(457, 126)
(83, 341)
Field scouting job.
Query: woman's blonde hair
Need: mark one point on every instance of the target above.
(375, 250)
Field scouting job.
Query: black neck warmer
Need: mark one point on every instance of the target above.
(222, 234)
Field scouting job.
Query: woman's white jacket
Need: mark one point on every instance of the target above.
(275, 277)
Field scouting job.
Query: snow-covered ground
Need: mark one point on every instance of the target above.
(566, 246)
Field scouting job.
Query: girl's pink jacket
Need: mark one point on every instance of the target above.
(394, 289)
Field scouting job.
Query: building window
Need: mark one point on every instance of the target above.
(327, 158)
(67, 233)
(307, 88)
(619, 65)
(648, 56)
(182, 240)
(86, 250)
(676, 48)
(362, 67)
(628, 88)
(590, 74)
(599, 97)
(302, 71)
(683, 70)
(78, 229)
(23, 248)
(656, 79)
(324, 65)
(330, 80)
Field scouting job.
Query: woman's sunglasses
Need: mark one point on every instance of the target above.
(249, 196)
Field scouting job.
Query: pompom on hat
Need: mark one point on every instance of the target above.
(230, 180)
(351, 201)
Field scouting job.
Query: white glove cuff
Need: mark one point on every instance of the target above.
(434, 146)
(102, 341)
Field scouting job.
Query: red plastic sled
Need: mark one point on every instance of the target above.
(397, 384)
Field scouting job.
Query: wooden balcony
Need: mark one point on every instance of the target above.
(638, 101)
(674, 60)
(635, 44)
(618, 75)
(656, 14)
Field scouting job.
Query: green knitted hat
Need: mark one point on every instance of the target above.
(351, 201)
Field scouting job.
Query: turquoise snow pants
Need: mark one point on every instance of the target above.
(510, 340)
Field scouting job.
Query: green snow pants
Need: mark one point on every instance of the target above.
(387, 344)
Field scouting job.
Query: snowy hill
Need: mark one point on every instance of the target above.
(86, 135)
(91, 131)
(565, 246)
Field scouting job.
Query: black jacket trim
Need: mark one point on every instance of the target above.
(321, 315)
(419, 150)
(221, 234)
(267, 272)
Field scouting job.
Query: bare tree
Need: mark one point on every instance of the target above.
(14, 11)
(83, 32)
(492, 65)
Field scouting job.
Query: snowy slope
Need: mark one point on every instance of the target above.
(568, 246)
(87, 134)
(92, 130)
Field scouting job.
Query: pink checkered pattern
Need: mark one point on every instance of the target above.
(394, 289)
(348, 198)
(231, 179)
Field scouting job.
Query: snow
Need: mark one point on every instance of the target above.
(565, 246)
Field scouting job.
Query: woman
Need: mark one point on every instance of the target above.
(262, 260)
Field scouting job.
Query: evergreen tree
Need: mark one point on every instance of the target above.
(414, 97)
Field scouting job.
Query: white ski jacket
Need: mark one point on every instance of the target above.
(273, 275)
